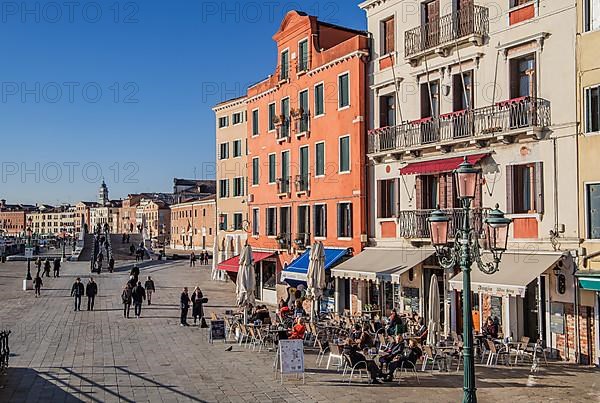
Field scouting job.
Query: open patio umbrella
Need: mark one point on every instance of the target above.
(434, 312)
(246, 280)
(315, 277)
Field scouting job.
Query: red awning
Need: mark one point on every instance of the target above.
(233, 264)
(436, 166)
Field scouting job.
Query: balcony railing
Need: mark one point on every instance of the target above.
(413, 223)
(518, 113)
(302, 240)
(302, 123)
(302, 182)
(471, 20)
(283, 130)
(284, 240)
(283, 185)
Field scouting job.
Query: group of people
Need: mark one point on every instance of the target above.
(412, 324)
(78, 291)
(37, 281)
(197, 301)
(125, 238)
(203, 258)
(100, 260)
(135, 294)
(139, 252)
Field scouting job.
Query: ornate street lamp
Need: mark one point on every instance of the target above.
(465, 251)
(64, 243)
(29, 233)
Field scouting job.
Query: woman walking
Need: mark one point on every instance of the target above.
(197, 309)
(126, 297)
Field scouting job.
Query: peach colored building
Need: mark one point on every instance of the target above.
(193, 225)
(13, 218)
(307, 148)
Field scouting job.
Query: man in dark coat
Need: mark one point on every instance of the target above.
(149, 285)
(185, 306)
(126, 298)
(197, 309)
(46, 268)
(135, 272)
(91, 289)
(77, 291)
(56, 270)
(138, 294)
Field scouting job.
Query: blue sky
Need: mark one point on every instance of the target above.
(123, 90)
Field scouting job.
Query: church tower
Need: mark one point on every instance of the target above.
(103, 194)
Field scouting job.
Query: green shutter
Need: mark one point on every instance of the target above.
(344, 154)
(320, 159)
(593, 194)
(319, 109)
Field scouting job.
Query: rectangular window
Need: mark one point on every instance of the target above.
(284, 222)
(593, 210)
(591, 11)
(388, 31)
(237, 118)
(387, 198)
(237, 148)
(303, 223)
(272, 172)
(345, 154)
(462, 94)
(303, 55)
(223, 222)
(284, 73)
(303, 105)
(238, 187)
(522, 76)
(429, 191)
(255, 127)
(272, 116)
(224, 188)
(320, 159)
(320, 225)
(319, 99)
(343, 90)
(224, 151)
(387, 110)
(430, 99)
(517, 3)
(592, 109)
(285, 172)
(525, 188)
(271, 218)
(223, 121)
(255, 221)
(255, 171)
(344, 220)
(237, 221)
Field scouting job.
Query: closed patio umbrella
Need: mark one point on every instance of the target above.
(434, 312)
(246, 280)
(316, 275)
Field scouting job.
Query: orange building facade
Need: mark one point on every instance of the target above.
(307, 146)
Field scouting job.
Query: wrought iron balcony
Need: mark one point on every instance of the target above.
(468, 22)
(504, 117)
(302, 240)
(302, 183)
(283, 130)
(283, 185)
(284, 240)
(413, 223)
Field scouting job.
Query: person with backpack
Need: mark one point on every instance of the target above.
(138, 295)
(126, 297)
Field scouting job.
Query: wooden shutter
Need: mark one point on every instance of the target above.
(510, 201)
(539, 187)
(419, 192)
(389, 28)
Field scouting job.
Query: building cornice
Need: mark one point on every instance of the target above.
(349, 56)
(366, 5)
(229, 105)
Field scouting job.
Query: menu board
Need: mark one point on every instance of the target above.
(291, 356)
(557, 318)
(217, 330)
(411, 299)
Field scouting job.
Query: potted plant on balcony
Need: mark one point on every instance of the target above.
(277, 120)
(282, 240)
(300, 241)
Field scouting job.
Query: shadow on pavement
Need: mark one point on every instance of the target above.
(25, 384)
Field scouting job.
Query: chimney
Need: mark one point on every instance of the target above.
(2, 203)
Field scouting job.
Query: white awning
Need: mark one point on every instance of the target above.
(381, 264)
(516, 271)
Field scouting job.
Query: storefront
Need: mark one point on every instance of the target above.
(265, 269)
(376, 278)
(589, 284)
(518, 296)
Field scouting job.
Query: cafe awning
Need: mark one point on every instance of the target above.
(297, 270)
(439, 165)
(516, 271)
(233, 264)
(588, 281)
(381, 264)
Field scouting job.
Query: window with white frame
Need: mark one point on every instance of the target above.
(320, 220)
(320, 159)
(344, 159)
(319, 99)
(592, 109)
(255, 171)
(223, 121)
(272, 169)
(237, 148)
(271, 221)
(303, 55)
(272, 116)
(255, 221)
(255, 126)
(238, 219)
(238, 187)
(223, 188)
(224, 151)
(591, 15)
(344, 219)
(238, 118)
(344, 90)
(592, 194)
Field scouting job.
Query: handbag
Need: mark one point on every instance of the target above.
(204, 300)
(203, 323)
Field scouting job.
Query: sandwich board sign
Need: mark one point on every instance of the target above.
(291, 358)
(217, 330)
(29, 253)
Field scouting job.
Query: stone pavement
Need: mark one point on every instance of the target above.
(64, 356)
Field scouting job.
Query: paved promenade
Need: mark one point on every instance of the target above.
(65, 356)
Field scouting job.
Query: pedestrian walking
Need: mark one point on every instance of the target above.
(135, 272)
(77, 292)
(56, 270)
(192, 259)
(38, 265)
(132, 250)
(185, 306)
(91, 290)
(126, 298)
(149, 285)
(138, 294)
(111, 264)
(37, 284)
(197, 308)
(46, 268)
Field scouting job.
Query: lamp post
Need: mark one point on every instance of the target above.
(64, 243)
(466, 251)
(29, 233)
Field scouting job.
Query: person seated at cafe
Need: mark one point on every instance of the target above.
(365, 340)
(421, 332)
(394, 324)
(262, 314)
(284, 309)
(490, 330)
(392, 351)
(299, 310)
(352, 352)
(411, 354)
(298, 330)
(356, 332)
